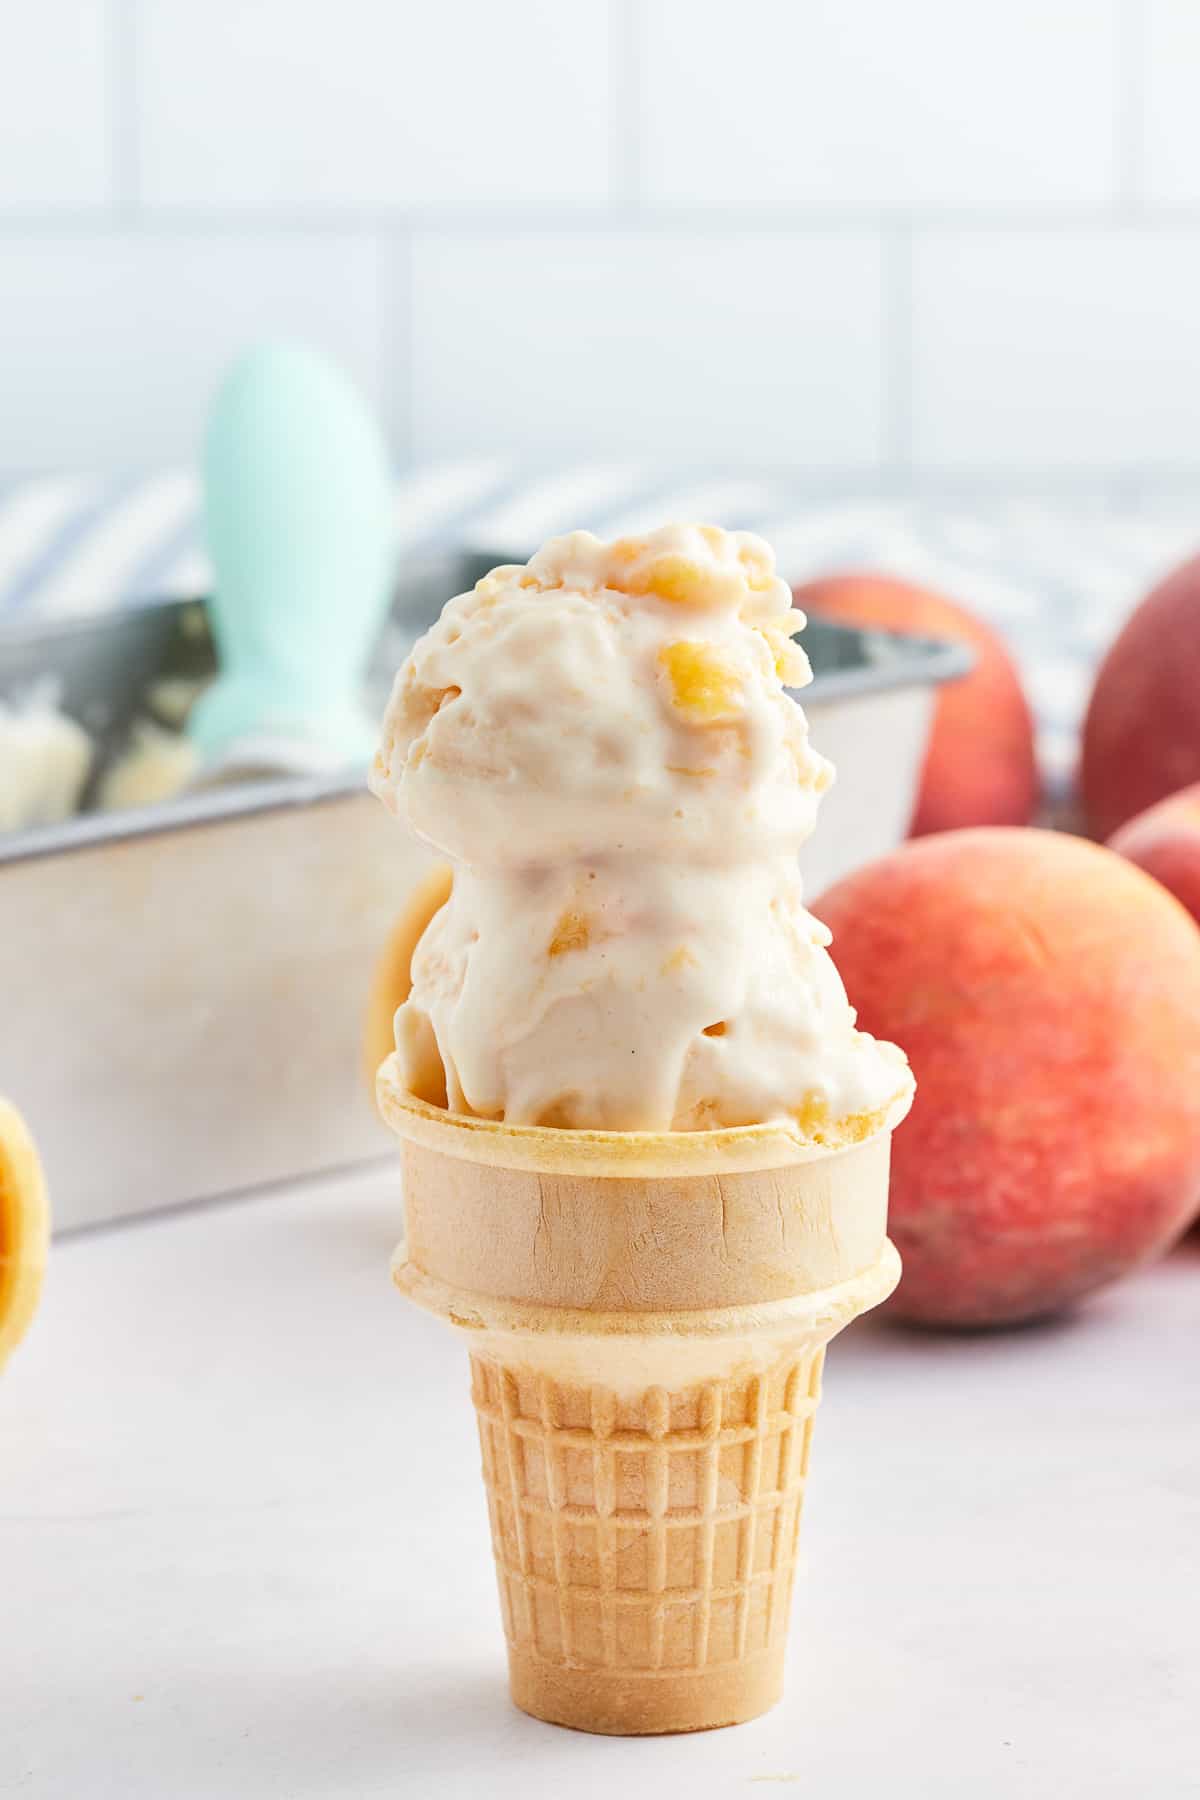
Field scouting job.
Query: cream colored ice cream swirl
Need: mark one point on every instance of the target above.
(602, 743)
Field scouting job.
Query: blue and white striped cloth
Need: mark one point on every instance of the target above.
(1056, 581)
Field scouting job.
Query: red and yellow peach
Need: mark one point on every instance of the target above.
(1141, 738)
(1165, 841)
(979, 766)
(1048, 995)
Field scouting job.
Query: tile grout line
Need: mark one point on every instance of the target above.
(624, 110)
(123, 99)
(397, 345)
(896, 352)
(811, 485)
(1129, 125)
(284, 222)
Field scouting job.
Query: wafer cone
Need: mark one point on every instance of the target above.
(647, 1316)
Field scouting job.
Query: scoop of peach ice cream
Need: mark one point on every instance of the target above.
(602, 743)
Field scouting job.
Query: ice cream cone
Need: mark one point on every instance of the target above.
(647, 1315)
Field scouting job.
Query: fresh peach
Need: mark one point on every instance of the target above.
(1048, 995)
(979, 767)
(1141, 738)
(1165, 841)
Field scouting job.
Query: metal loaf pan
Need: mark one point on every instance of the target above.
(185, 985)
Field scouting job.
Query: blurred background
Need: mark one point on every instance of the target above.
(914, 291)
(938, 247)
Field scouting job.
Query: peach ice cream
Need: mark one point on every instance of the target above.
(602, 743)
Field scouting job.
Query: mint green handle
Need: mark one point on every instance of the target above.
(298, 508)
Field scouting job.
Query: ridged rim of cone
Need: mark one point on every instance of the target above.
(820, 1313)
(736, 1149)
(24, 1228)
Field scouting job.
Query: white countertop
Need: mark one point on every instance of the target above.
(243, 1545)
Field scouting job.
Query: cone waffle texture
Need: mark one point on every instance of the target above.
(645, 1545)
(646, 1357)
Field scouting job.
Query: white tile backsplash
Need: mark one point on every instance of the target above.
(864, 106)
(1171, 102)
(1021, 355)
(949, 241)
(55, 126)
(760, 349)
(122, 337)
(314, 105)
